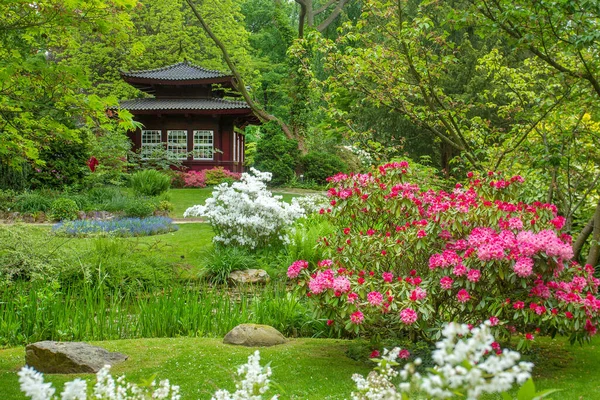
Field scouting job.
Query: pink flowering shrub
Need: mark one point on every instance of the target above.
(408, 259)
(195, 179)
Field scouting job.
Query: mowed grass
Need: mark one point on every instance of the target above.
(184, 247)
(302, 368)
(182, 199)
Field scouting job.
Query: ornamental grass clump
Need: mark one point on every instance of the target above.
(124, 227)
(246, 214)
(405, 260)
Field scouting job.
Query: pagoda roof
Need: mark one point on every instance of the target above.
(183, 71)
(200, 105)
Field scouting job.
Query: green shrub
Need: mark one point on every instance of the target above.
(177, 178)
(276, 154)
(220, 261)
(218, 175)
(26, 254)
(32, 202)
(150, 182)
(165, 206)
(305, 237)
(82, 200)
(318, 166)
(7, 199)
(102, 194)
(139, 208)
(64, 209)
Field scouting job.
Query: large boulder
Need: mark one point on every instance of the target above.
(254, 335)
(69, 357)
(249, 276)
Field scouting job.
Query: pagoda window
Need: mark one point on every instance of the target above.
(151, 142)
(177, 144)
(203, 145)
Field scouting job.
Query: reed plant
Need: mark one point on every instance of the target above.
(30, 313)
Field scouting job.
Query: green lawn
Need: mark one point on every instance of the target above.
(183, 247)
(304, 368)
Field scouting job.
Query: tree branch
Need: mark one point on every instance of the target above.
(238, 81)
(334, 14)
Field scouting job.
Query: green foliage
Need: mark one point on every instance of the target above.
(165, 206)
(28, 257)
(306, 234)
(276, 154)
(64, 163)
(15, 178)
(318, 166)
(149, 182)
(7, 199)
(220, 261)
(139, 208)
(31, 202)
(218, 175)
(64, 209)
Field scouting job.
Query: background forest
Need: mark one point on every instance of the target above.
(340, 85)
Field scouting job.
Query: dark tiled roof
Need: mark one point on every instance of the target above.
(183, 104)
(182, 71)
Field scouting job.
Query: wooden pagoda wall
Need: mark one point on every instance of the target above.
(230, 143)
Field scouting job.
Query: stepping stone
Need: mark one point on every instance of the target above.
(254, 335)
(249, 276)
(69, 357)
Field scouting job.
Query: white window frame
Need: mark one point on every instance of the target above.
(150, 144)
(177, 149)
(202, 144)
(235, 149)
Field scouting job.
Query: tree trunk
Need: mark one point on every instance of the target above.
(594, 253)
(581, 239)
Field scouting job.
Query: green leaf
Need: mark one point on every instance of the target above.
(527, 391)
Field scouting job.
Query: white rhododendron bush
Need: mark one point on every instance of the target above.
(468, 364)
(247, 214)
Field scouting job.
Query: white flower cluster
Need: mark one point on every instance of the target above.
(254, 384)
(245, 213)
(106, 388)
(466, 364)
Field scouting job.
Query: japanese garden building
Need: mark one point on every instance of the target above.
(189, 116)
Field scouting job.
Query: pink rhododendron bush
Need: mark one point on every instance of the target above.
(407, 260)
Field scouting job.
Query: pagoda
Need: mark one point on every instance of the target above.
(189, 116)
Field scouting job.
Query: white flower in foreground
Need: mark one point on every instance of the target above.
(254, 384)
(106, 388)
(466, 363)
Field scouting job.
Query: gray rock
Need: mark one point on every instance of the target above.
(249, 276)
(254, 335)
(69, 357)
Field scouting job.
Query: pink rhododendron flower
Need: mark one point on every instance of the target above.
(515, 223)
(375, 298)
(352, 297)
(404, 354)
(418, 294)
(529, 336)
(459, 270)
(446, 282)
(494, 321)
(321, 282)
(374, 354)
(387, 277)
(523, 267)
(421, 233)
(297, 266)
(357, 318)
(325, 263)
(518, 305)
(463, 296)
(329, 322)
(341, 284)
(473, 275)
(408, 316)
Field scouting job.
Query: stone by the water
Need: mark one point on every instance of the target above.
(249, 276)
(254, 335)
(69, 357)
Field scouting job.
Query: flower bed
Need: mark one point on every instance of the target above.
(124, 227)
